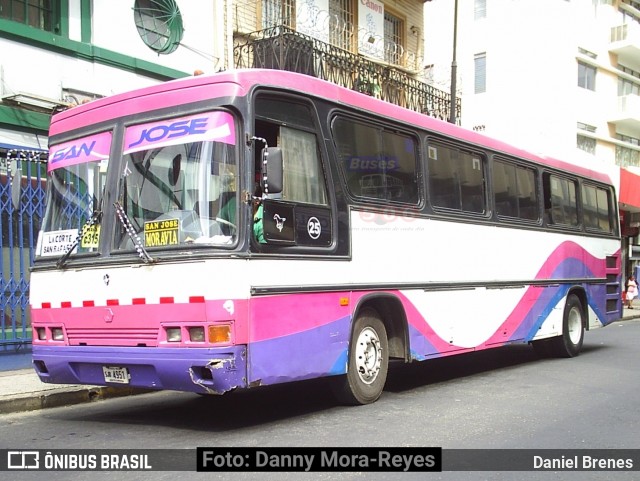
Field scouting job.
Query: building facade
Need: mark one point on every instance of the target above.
(371, 46)
(60, 53)
(560, 78)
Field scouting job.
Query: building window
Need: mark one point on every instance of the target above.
(41, 14)
(628, 139)
(159, 24)
(586, 76)
(480, 66)
(393, 38)
(627, 87)
(626, 157)
(278, 12)
(587, 127)
(480, 9)
(587, 144)
(342, 23)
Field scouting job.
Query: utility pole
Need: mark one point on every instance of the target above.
(454, 66)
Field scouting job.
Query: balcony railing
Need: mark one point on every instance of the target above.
(282, 48)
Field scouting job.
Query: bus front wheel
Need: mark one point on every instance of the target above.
(368, 361)
(570, 342)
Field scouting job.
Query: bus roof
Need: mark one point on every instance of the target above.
(239, 82)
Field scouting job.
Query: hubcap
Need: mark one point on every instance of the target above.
(574, 324)
(368, 355)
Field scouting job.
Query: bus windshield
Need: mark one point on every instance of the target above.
(176, 186)
(77, 173)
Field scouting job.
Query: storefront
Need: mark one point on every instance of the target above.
(22, 195)
(629, 203)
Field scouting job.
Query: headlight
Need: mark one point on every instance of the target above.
(174, 334)
(196, 334)
(56, 334)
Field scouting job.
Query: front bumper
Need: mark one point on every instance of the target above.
(200, 370)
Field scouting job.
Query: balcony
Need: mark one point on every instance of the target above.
(283, 48)
(625, 43)
(627, 115)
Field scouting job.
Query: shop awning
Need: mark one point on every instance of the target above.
(629, 190)
(19, 147)
(21, 152)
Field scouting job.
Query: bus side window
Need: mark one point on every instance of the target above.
(514, 191)
(456, 178)
(560, 200)
(377, 163)
(283, 217)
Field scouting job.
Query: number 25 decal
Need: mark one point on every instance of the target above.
(313, 227)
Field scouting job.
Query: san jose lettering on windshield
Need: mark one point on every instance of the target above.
(216, 126)
(169, 131)
(161, 233)
(320, 459)
(86, 149)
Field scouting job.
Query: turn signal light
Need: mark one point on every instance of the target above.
(220, 333)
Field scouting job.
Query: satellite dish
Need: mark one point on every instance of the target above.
(159, 24)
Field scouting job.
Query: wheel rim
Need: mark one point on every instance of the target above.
(574, 325)
(368, 355)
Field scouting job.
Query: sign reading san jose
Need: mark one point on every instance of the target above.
(161, 233)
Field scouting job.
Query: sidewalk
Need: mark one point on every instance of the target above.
(22, 390)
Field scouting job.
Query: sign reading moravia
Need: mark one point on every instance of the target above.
(159, 233)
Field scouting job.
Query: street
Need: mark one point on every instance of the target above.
(500, 399)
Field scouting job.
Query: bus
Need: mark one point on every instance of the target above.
(386, 235)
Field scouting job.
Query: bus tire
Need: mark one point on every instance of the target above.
(368, 361)
(570, 342)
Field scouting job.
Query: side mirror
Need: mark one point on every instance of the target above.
(272, 170)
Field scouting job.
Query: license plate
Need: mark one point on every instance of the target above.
(118, 375)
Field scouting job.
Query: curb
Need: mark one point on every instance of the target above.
(63, 397)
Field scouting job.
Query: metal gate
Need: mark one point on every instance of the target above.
(22, 198)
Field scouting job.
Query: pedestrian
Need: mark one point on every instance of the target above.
(632, 291)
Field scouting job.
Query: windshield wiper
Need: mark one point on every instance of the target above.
(94, 219)
(131, 232)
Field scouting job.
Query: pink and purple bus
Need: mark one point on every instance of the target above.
(257, 227)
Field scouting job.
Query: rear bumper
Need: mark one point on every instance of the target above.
(211, 370)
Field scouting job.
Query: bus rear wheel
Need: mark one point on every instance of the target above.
(368, 361)
(570, 342)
